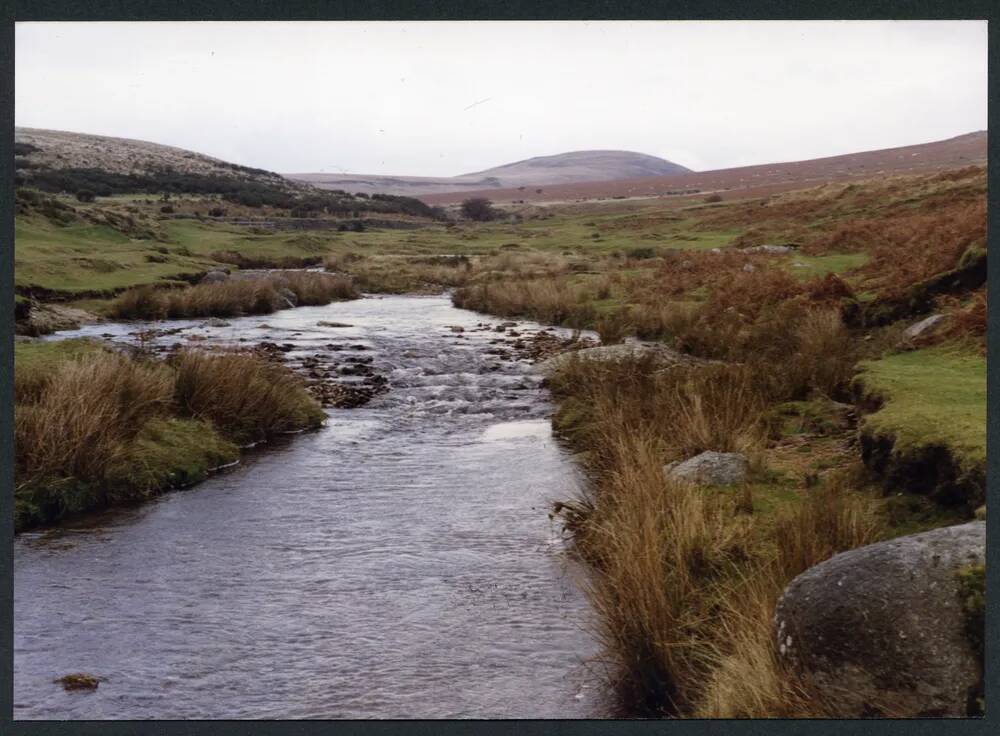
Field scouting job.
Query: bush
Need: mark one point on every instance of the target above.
(167, 209)
(713, 198)
(85, 195)
(479, 209)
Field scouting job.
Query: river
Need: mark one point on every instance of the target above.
(397, 563)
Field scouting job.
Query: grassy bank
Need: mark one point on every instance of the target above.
(94, 428)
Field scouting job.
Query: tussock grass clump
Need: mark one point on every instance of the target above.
(315, 289)
(93, 428)
(248, 398)
(75, 424)
(689, 410)
(232, 298)
(830, 519)
(662, 549)
(553, 300)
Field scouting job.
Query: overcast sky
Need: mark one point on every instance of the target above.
(440, 99)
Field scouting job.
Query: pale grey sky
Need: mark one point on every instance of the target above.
(439, 99)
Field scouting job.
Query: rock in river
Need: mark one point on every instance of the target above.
(710, 469)
(882, 631)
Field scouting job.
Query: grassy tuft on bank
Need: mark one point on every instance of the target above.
(94, 428)
(934, 396)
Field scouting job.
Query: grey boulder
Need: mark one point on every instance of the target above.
(214, 277)
(881, 630)
(923, 327)
(710, 469)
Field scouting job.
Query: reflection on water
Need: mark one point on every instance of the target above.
(398, 562)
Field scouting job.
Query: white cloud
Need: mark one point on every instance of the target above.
(398, 98)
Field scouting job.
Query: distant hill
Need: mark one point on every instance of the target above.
(748, 181)
(562, 168)
(89, 166)
(58, 149)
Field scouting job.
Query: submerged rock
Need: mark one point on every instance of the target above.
(882, 631)
(710, 469)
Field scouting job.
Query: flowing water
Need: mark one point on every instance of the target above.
(399, 562)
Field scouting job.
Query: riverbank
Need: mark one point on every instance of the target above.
(686, 575)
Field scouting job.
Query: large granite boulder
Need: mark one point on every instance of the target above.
(882, 630)
(710, 469)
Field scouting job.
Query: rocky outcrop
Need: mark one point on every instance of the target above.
(43, 319)
(710, 469)
(661, 355)
(882, 630)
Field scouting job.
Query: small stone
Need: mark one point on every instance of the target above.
(710, 469)
(923, 327)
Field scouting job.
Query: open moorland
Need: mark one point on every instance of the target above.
(823, 321)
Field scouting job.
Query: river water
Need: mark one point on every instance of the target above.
(397, 563)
